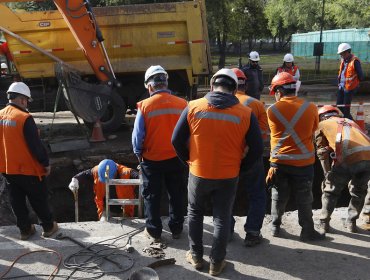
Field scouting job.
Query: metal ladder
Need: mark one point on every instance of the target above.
(123, 202)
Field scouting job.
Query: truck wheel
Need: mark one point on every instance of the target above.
(114, 116)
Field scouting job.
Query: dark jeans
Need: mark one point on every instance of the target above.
(298, 180)
(22, 186)
(253, 179)
(156, 175)
(344, 97)
(222, 193)
(356, 177)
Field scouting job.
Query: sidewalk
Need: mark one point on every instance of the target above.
(341, 256)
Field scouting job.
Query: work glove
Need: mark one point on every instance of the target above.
(73, 185)
(270, 178)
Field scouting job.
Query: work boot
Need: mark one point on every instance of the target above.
(195, 261)
(217, 267)
(25, 234)
(155, 239)
(366, 218)
(324, 226)
(311, 236)
(351, 226)
(275, 230)
(252, 239)
(53, 230)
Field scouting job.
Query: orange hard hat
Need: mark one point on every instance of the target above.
(284, 80)
(239, 73)
(326, 109)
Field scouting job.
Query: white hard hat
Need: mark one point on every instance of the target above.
(254, 56)
(4, 66)
(343, 47)
(227, 73)
(288, 57)
(154, 70)
(21, 88)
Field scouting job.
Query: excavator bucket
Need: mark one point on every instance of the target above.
(86, 100)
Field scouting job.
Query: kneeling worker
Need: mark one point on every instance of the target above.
(95, 178)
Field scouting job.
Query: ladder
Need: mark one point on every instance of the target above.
(123, 202)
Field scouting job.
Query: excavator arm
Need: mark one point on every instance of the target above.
(91, 102)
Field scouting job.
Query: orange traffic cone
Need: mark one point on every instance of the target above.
(97, 133)
(360, 117)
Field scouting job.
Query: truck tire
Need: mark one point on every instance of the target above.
(114, 116)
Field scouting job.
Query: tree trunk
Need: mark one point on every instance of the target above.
(221, 39)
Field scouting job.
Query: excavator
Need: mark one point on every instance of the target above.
(90, 101)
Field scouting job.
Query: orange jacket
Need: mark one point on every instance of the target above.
(217, 139)
(355, 145)
(258, 109)
(161, 113)
(15, 156)
(123, 192)
(350, 75)
(290, 70)
(292, 122)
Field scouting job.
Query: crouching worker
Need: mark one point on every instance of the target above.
(343, 141)
(95, 178)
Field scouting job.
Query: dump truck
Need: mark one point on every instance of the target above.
(45, 49)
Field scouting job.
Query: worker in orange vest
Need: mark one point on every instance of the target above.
(349, 77)
(252, 178)
(292, 122)
(342, 142)
(211, 136)
(289, 67)
(94, 178)
(24, 162)
(161, 168)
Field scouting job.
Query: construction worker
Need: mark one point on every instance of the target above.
(341, 141)
(24, 162)
(252, 178)
(151, 140)
(212, 136)
(3, 69)
(292, 122)
(289, 67)
(255, 75)
(95, 178)
(349, 77)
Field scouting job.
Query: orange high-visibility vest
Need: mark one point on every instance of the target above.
(292, 124)
(290, 70)
(161, 113)
(217, 139)
(351, 78)
(258, 110)
(15, 156)
(355, 144)
(123, 192)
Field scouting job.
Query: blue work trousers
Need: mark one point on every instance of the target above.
(253, 180)
(299, 181)
(222, 193)
(170, 174)
(344, 97)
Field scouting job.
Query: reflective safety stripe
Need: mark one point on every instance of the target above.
(167, 111)
(290, 132)
(8, 123)
(217, 116)
(248, 101)
(346, 139)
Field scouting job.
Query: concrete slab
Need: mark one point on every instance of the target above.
(341, 256)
